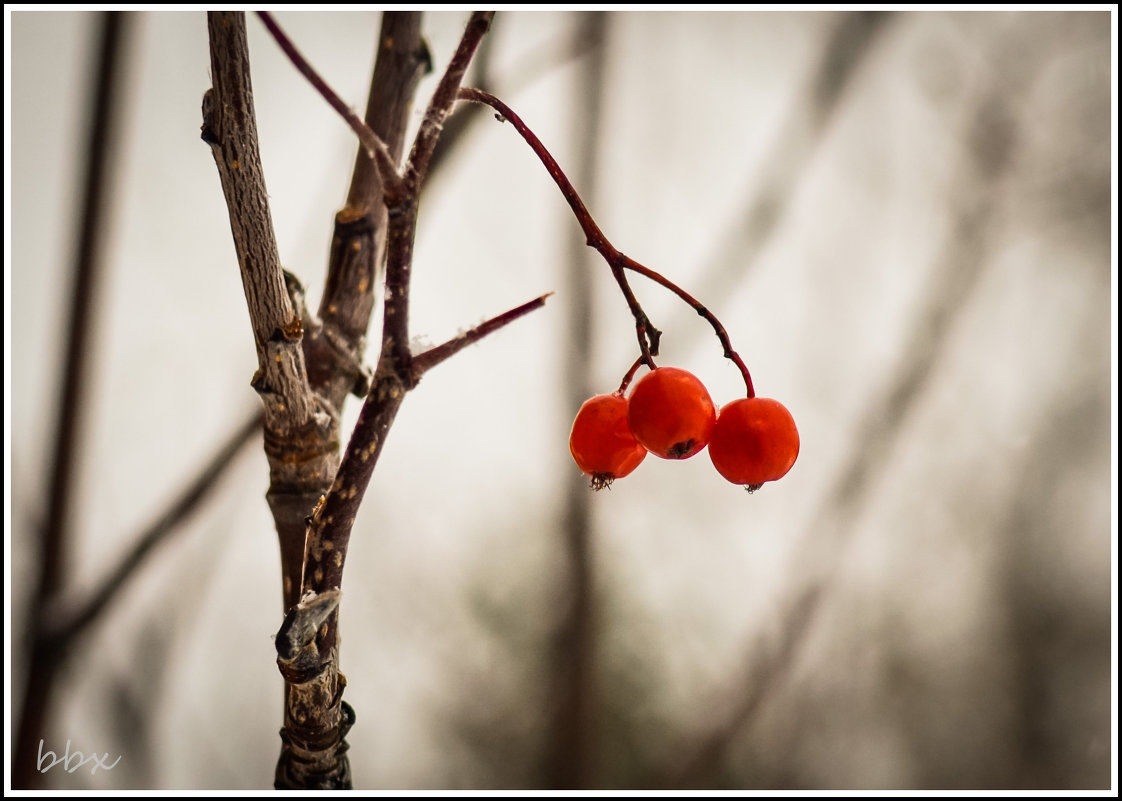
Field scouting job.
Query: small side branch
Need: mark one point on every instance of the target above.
(303, 621)
(168, 523)
(331, 522)
(423, 362)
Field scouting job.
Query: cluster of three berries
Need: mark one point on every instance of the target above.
(671, 415)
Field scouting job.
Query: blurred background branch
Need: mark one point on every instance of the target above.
(43, 653)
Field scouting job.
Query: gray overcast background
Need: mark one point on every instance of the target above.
(904, 224)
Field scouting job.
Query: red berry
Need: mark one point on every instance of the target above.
(671, 413)
(754, 440)
(601, 443)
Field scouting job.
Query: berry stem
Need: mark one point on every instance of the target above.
(623, 385)
(647, 334)
(702, 310)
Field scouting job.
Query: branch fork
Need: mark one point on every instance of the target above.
(307, 365)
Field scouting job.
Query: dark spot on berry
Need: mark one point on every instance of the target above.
(680, 450)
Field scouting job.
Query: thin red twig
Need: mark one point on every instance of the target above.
(648, 335)
(422, 362)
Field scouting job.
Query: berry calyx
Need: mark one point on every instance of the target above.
(601, 442)
(671, 413)
(754, 440)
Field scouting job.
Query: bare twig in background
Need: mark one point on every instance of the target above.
(1048, 627)
(849, 44)
(570, 745)
(990, 141)
(167, 523)
(45, 656)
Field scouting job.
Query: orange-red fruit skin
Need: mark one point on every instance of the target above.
(755, 440)
(671, 413)
(601, 442)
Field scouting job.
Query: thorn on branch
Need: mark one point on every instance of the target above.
(303, 621)
(260, 385)
(207, 132)
(424, 57)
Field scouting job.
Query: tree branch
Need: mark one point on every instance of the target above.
(301, 440)
(335, 342)
(329, 529)
(316, 718)
(402, 209)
